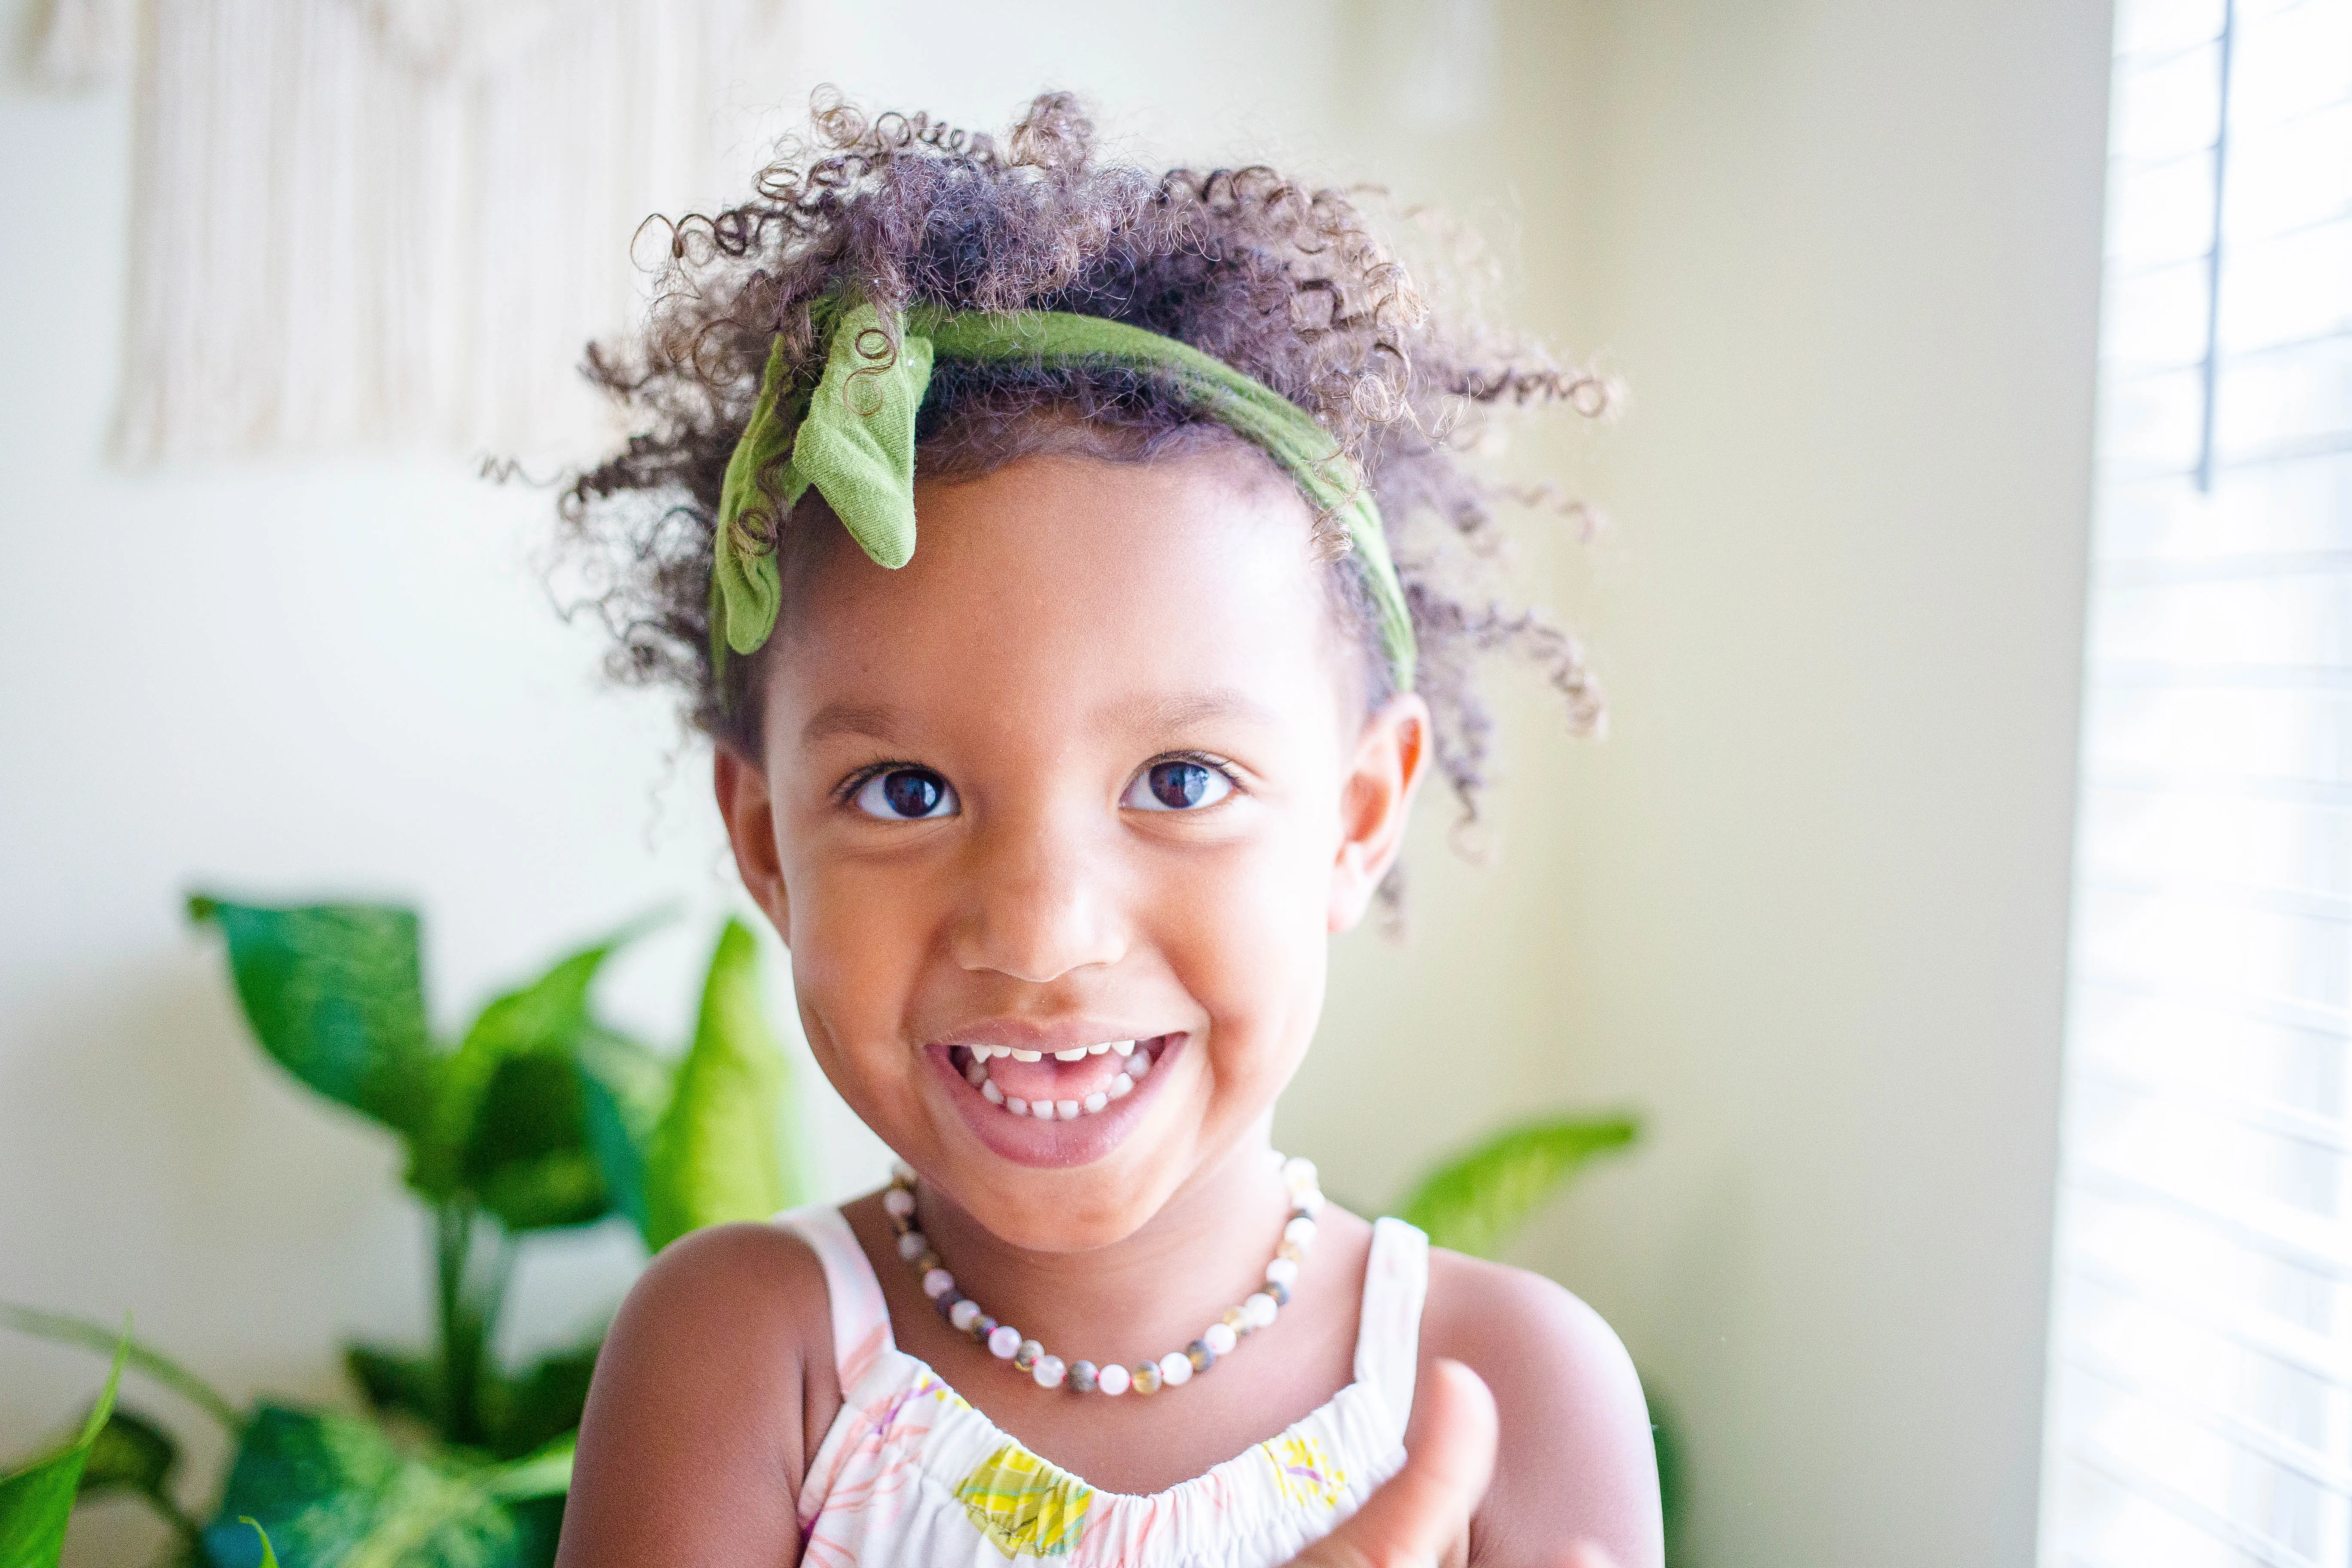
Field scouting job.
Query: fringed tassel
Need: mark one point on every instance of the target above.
(396, 222)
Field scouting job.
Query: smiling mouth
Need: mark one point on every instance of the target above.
(1059, 1085)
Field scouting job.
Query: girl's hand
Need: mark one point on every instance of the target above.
(1421, 1518)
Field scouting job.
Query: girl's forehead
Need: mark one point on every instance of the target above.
(1067, 587)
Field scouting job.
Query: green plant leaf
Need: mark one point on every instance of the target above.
(624, 1087)
(509, 1116)
(525, 1414)
(268, 1557)
(131, 1454)
(526, 1158)
(328, 1489)
(541, 1522)
(336, 994)
(719, 1151)
(1476, 1203)
(37, 1500)
(546, 1472)
(395, 1382)
(65, 1328)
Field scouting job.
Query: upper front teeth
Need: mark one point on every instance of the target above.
(1076, 1053)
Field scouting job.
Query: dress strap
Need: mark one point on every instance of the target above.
(861, 1318)
(1388, 1335)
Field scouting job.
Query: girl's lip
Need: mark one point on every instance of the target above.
(1057, 1145)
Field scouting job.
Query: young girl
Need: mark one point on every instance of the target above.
(1023, 527)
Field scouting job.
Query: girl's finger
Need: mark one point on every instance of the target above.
(1423, 1511)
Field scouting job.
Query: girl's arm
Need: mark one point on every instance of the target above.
(1577, 1462)
(697, 1431)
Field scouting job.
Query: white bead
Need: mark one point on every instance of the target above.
(1068, 1109)
(1282, 1271)
(1299, 1231)
(903, 1172)
(1003, 1342)
(937, 1283)
(1139, 1064)
(1219, 1338)
(1021, 1055)
(1111, 1379)
(1018, 1106)
(1049, 1372)
(1074, 1054)
(963, 1314)
(1175, 1367)
(1309, 1202)
(1260, 1309)
(991, 1093)
(1121, 1087)
(911, 1245)
(1298, 1173)
(1094, 1102)
(1124, 1047)
(899, 1203)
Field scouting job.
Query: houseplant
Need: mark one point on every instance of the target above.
(540, 1116)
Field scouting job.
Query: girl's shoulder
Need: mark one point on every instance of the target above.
(716, 1382)
(1575, 1458)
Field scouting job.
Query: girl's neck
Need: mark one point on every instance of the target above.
(1200, 1254)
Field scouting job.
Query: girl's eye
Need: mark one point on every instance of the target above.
(905, 794)
(1177, 786)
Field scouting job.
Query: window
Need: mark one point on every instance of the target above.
(2200, 1400)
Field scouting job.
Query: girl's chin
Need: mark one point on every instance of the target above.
(1052, 1115)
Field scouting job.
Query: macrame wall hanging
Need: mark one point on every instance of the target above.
(396, 222)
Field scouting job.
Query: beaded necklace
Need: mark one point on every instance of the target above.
(1006, 1343)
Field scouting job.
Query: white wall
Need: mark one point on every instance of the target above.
(1805, 907)
(1807, 904)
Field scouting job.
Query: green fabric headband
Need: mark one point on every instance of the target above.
(852, 437)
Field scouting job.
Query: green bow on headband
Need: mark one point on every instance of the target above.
(852, 437)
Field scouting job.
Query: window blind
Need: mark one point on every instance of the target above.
(2201, 1404)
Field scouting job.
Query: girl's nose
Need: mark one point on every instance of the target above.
(1037, 907)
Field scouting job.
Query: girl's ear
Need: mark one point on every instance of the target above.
(749, 813)
(1374, 803)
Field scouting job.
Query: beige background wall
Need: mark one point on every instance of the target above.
(1805, 907)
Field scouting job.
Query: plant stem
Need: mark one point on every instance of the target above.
(461, 1351)
(470, 1289)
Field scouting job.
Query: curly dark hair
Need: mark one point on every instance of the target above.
(1283, 282)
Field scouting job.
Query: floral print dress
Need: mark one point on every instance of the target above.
(909, 1473)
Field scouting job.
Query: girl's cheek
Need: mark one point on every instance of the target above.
(1250, 946)
(856, 946)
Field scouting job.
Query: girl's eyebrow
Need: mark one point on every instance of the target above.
(849, 719)
(1182, 711)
